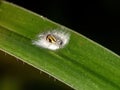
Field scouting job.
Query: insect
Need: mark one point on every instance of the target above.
(52, 40)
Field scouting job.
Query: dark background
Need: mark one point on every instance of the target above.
(96, 19)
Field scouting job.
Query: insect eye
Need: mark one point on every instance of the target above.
(51, 38)
(60, 42)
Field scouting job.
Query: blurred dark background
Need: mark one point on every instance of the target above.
(99, 20)
(17, 75)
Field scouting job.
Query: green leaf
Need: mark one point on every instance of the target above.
(82, 64)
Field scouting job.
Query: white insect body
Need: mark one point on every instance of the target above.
(52, 40)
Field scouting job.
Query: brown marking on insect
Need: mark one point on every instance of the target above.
(51, 38)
